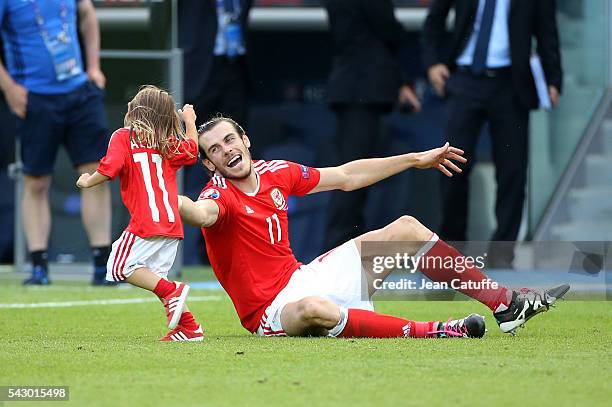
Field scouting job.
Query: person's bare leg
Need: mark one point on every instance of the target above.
(317, 316)
(405, 229)
(96, 210)
(36, 211)
(144, 278)
(310, 316)
(36, 221)
(416, 238)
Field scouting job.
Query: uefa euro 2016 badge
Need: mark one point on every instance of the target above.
(305, 171)
(278, 199)
(210, 193)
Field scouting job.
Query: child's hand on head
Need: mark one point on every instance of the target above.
(188, 113)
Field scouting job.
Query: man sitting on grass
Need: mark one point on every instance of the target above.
(243, 215)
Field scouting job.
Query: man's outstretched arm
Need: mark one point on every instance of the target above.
(201, 213)
(361, 173)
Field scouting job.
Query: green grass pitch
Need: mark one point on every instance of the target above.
(109, 355)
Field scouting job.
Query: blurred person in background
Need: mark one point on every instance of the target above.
(213, 35)
(7, 157)
(365, 83)
(483, 71)
(57, 95)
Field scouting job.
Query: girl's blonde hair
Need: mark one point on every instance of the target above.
(153, 120)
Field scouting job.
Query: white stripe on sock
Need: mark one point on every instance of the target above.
(337, 330)
(426, 247)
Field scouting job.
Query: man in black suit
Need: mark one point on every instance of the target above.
(213, 36)
(483, 70)
(365, 83)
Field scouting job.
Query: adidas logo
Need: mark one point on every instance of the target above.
(248, 209)
(173, 303)
(179, 336)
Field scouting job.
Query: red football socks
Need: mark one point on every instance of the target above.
(163, 288)
(187, 321)
(370, 324)
(439, 264)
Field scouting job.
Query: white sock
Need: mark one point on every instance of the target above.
(337, 330)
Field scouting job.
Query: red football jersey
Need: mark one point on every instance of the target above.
(148, 183)
(248, 246)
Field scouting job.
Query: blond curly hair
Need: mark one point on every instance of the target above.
(153, 120)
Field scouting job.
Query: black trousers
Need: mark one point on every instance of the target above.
(472, 101)
(225, 91)
(358, 135)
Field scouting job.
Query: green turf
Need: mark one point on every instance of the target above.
(109, 355)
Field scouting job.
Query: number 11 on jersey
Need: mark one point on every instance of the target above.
(270, 228)
(143, 160)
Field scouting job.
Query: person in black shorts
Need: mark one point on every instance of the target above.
(57, 102)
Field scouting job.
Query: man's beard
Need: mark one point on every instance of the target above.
(229, 176)
(226, 175)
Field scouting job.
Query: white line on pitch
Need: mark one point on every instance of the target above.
(76, 288)
(91, 289)
(121, 301)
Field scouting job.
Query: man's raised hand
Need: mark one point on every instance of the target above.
(441, 158)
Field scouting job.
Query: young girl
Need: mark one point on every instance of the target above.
(146, 154)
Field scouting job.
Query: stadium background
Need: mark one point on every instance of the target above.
(289, 118)
(102, 342)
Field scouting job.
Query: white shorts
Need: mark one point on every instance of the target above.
(336, 275)
(131, 252)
